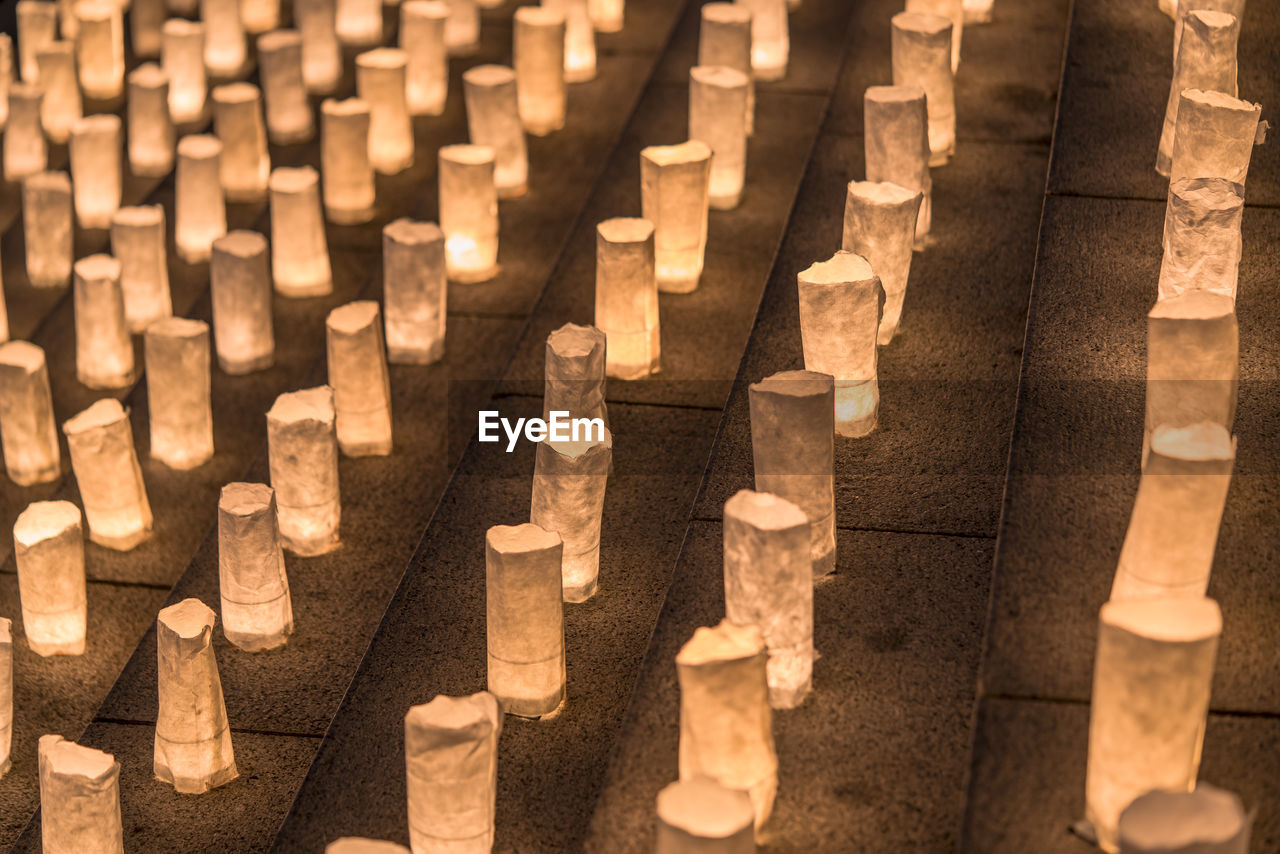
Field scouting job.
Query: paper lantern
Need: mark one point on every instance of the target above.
(138, 243)
(841, 306)
(538, 57)
(258, 16)
(237, 120)
(1192, 361)
(299, 248)
(302, 449)
(200, 205)
(462, 28)
(282, 56)
(1202, 243)
(79, 799)
(100, 440)
(451, 768)
(574, 373)
(770, 38)
(717, 117)
(193, 750)
(1235, 8)
(953, 11)
(104, 351)
(525, 618)
(579, 39)
(358, 376)
(225, 51)
(146, 22)
(879, 224)
(414, 291)
(627, 297)
(380, 80)
(1206, 820)
(25, 152)
(493, 117)
(95, 169)
(768, 582)
(182, 57)
(978, 11)
(724, 39)
(321, 51)
(100, 48)
(240, 286)
(922, 57)
(6, 693)
(363, 845)
(1215, 136)
(468, 212)
(150, 132)
(46, 228)
(257, 613)
(1150, 699)
(27, 430)
(37, 27)
(348, 183)
(1206, 60)
(178, 394)
(358, 22)
(700, 816)
(607, 16)
(426, 70)
(793, 448)
(61, 106)
(725, 721)
(675, 184)
(48, 544)
(569, 479)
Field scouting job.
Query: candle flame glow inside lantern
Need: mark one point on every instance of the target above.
(321, 51)
(37, 27)
(240, 286)
(48, 544)
(100, 48)
(978, 11)
(538, 57)
(182, 57)
(675, 184)
(257, 612)
(282, 54)
(358, 376)
(579, 39)
(414, 291)
(879, 225)
(100, 440)
(1192, 361)
(237, 120)
(27, 429)
(422, 28)
(150, 132)
(302, 448)
(462, 29)
(1206, 60)
(569, 481)
(95, 169)
(79, 799)
(226, 54)
(258, 16)
(61, 106)
(178, 392)
(25, 152)
(607, 16)
(953, 11)
(358, 22)
(627, 297)
(193, 750)
(493, 117)
(1202, 243)
(724, 39)
(138, 243)
(380, 80)
(770, 38)
(574, 373)
(1214, 137)
(469, 212)
(46, 228)
(299, 248)
(922, 57)
(104, 351)
(1150, 698)
(1206, 820)
(201, 209)
(348, 183)
(451, 769)
(700, 816)
(6, 692)
(717, 116)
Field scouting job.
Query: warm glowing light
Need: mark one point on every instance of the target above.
(422, 28)
(138, 243)
(922, 57)
(469, 212)
(569, 480)
(106, 467)
(1206, 820)
(538, 57)
(257, 16)
(299, 248)
(182, 57)
(104, 351)
(178, 395)
(61, 107)
(100, 48)
(358, 22)
(226, 54)
(200, 204)
(240, 286)
(37, 27)
(282, 55)
(579, 39)
(47, 227)
(675, 184)
(48, 543)
(27, 428)
(303, 452)
(724, 39)
(717, 117)
(358, 377)
(953, 11)
(321, 52)
(95, 169)
(879, 224)
(1206, 60)
(257, 613)
(25, 152)
(493, 117)
(1215, 136)
(462, 29)
(348, 183)
(574, 373)
(700, 816)
(237, 120)
(414, 291)
(1192, 361)
(380, 80)
(150, 131)
(627, 297)
(1202, 243)
(979, 11)
(770, 38)
(79, 799)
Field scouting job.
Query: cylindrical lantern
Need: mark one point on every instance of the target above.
(48, 543)
(675, 182)
(193, 739)
(717, 117)
(462, 28)
(258, 16)
(793, 446)
(574, 373)
(358, 377)
(725, 721)
(201, 210)
(538, 56)
(469, 212)
(525, 625)
(150, 131)
(725, 40)
(607, 16)
(568, 498)
(321, 51)
(358, 23)
(493, 116)
(1202, 243)
(1150, 698)
(299, 249)
(1193, 347)
(27, 429)
(1215, 136)
(25, 151)
(627, 297)
(414, 290)
(770, 38)
(1206, 820)
(226, 54)
(182, 57)
(37, 27)
(257, 612)
(178, 394)
(922, 57)
(422, 26)
(240, 286)
(841, 306)
(104, 351)
(953, 11)
(146, 22)
(880, 225)
(61, 106)
(281, 54)
(348, 183)
(100, 48)
(1206, 60)
(1180, 12)
(700, 816)
(451, 769)
(106, 467)
(95, 169)
(47, 228)
(579, 39)
(380, 80)
(79, 799)
(237, 121)
(303, 453)
(768, 582)
(138, 243)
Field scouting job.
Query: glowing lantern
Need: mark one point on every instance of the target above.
(282, 54)
(138, 243)
(348, 183)
(299, 248)
(569, 480)
(37, 27)
(380, 80)
(579, 39)
(27, 430)
(96, 181)
(79, 799)
(493, 117)
(358, 377)
(182, 57)
(462, 28)
(469, 212)
(240, 286)
(1206, 60)
(1214, 137)
(922, 57)
(627, 297)
(303, 453)
(106, 467)
(538, 57)
(258, 16)
(237, 120)
(225, 50)
(104, 351)
(321, 51)
(717, 116)
(770, 38)
(61, 106)
(574, 373)
(675, 184)
(607, 15)
(879, 224)
(257, 612)
(358, 23)
(201, 209)
(150, 132)
(414, 292)
(1202, 241)
(1192, 361)
(100, 48)
(177, 357)
(48, 543)
(953, 11)
(724, 39)
(25, 152)
(46, 227)
(426, 81)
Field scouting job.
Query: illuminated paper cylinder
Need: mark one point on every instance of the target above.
(240, 285)
(106, 467)
(68, 23)
(237, 120)
(1202, 243)
(579, 39)
(358, 377)
(1192, 361)
(568, 498)
(303, 452)
(726, 724)
(768, 582)
(6, 692)
(25, 152)
(675, 183)
(607, 16)
(451, 769)
(79, 799)
(493, 116)
(299, 249)
(574, 373)
(1206, 60)
(700, 816)
(627, 297)
(380, 80)
(841, 306)
(1207, 820)
(953, 11)
(525, 625)
(226, 53)
(426, 72)
(1150, 697)
(1235, 8)
(282, 57)
(61, 106)
(321, 51)
(358, 22)
(104, 351)
(1215, 136)
(138, 243)
(724, 39)
(717, 116)
(6, 75)
(415, 291)
(469, 212)
(258, 16)
(922, 57)
(348, 185)
(48, 543)
(95, 169)
(363, 845)
(150, 132)
(193, 750)
(462, 29)
(47, 229)
(770, 38)
(201, 210)
(146, 23)
(37, 27)
(257, 612)
(27, 428)
(538, 56)
(100, 48)
(182, 57)
(177, 357)
(879, 225)
(793, 448)
(978, 11)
